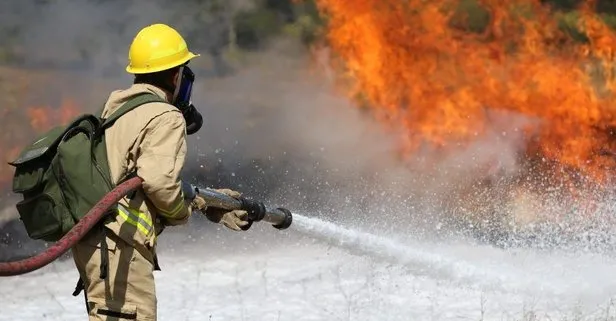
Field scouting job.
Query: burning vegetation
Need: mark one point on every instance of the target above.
(413, 66)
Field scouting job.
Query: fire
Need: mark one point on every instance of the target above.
(20, 126)
(416, 69)
(45, 117)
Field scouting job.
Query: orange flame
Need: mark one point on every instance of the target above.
(415, 68)
(44, 118)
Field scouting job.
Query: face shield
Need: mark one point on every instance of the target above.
(182, 96)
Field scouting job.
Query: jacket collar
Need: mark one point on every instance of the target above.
(149, 88)
(119, 97)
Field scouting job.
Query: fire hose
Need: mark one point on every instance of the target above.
(280, 218)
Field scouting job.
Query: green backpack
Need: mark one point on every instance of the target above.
(65, 172)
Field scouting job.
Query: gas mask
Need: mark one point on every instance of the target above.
(181, 100)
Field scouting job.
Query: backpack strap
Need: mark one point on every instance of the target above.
(130, 105)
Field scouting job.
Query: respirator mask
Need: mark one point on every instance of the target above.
(181, 100)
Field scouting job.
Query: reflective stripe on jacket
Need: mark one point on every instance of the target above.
(142, 221)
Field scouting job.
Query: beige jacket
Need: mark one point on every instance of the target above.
(152, 140)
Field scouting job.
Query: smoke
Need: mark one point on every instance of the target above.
(94, 36)
(277, 130)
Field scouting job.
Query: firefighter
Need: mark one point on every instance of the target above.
(117, 260)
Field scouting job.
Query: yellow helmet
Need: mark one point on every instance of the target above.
(155, 48)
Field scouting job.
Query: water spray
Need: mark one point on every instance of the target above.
(416, 258)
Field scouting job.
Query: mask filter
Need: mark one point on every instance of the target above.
(182, 95)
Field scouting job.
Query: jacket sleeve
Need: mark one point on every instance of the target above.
(160, 161)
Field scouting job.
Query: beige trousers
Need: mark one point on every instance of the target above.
(128, 292)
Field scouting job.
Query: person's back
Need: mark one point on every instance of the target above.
(117, 259)
(150, 141)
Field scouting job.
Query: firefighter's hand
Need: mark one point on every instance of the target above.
(198, 204)
(235, 219)
(229, 192)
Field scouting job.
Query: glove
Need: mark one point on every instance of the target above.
(198, 204)
(234, 220)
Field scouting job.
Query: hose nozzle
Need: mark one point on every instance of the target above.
(280, 218)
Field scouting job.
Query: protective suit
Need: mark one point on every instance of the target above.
(116, 260)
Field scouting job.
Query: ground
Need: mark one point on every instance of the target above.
(321, 271)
